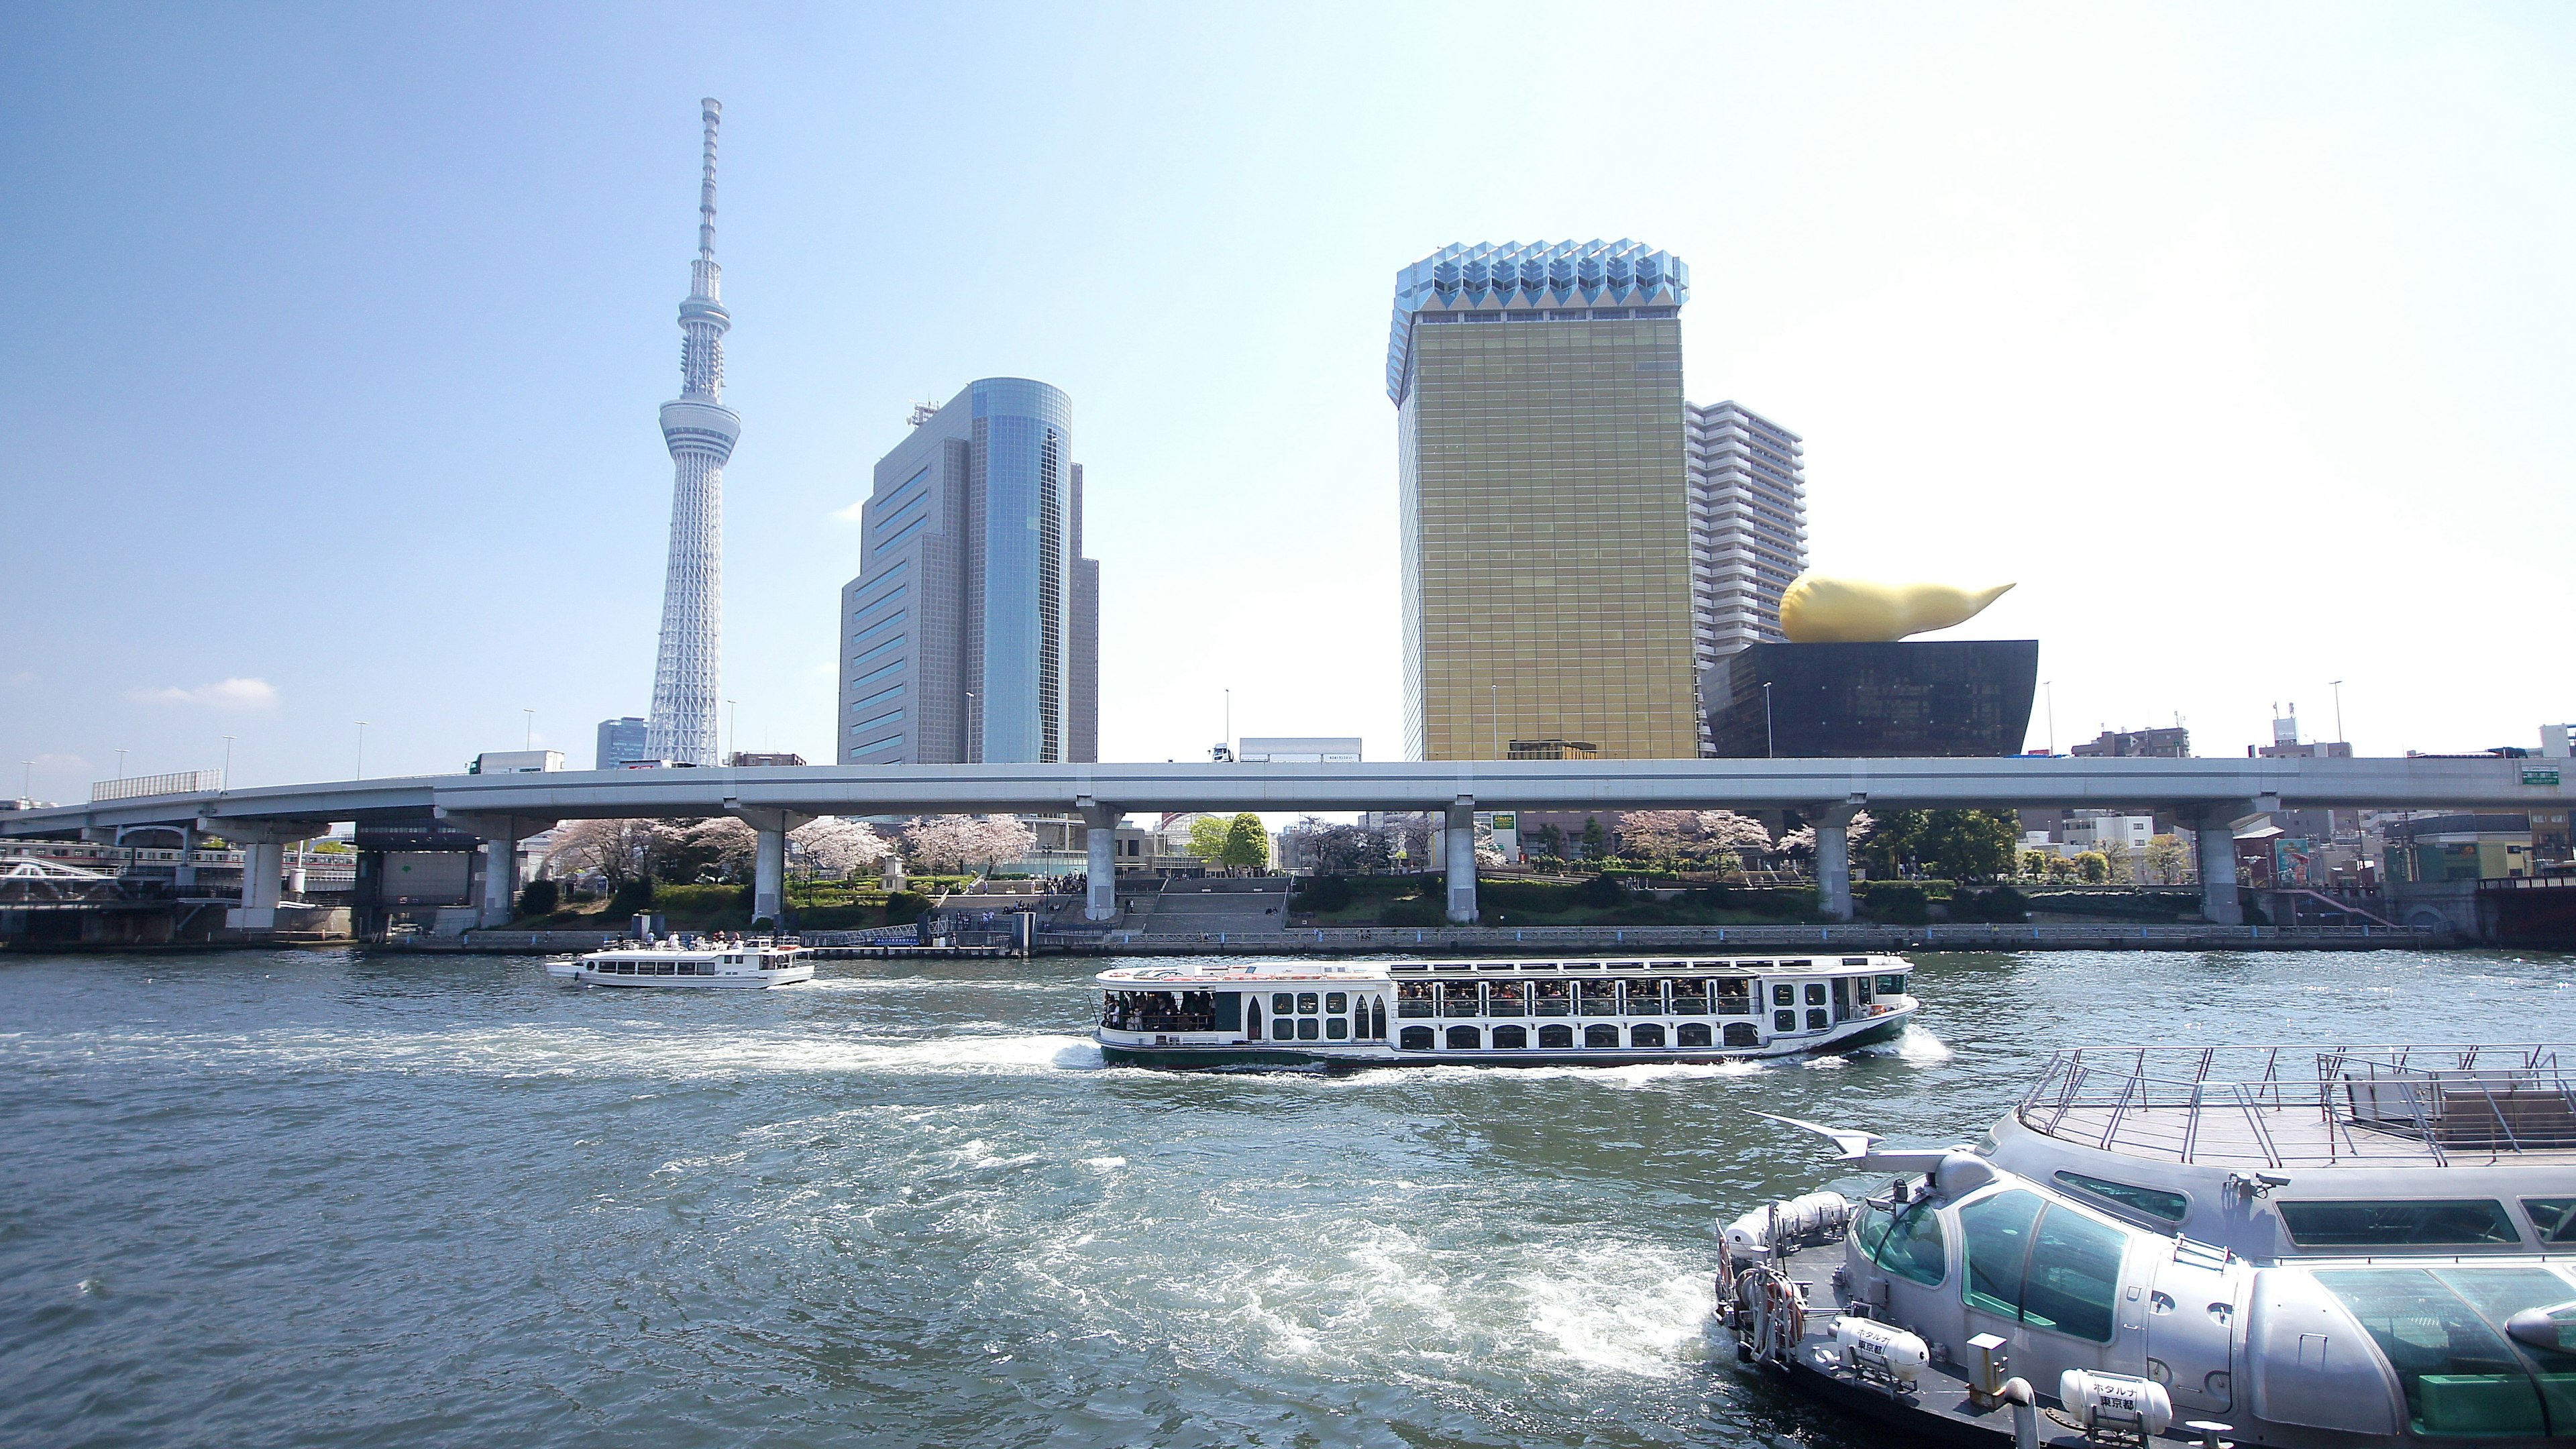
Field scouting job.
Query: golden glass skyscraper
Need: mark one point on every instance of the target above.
(1544, 500)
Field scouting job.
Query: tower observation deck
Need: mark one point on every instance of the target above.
(700, 432)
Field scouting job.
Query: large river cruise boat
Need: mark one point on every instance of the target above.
(2336, 1248)
(708, 963)
(1511, 1013)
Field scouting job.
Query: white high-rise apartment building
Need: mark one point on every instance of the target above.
(1748, 523)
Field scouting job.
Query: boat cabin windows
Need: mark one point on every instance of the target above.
(1460, 998)
(2426, 1223)
(1551, 998)
(2173, 1207)
(1510, 1037)
(2043, 1265)
(1906, 1241)
(1890, 985)
(1414, 1039)
(1158, 1010)
(1597, 998)
(1555, 1038)
(1690, 997)
(1645, 998)
(2555, 1217)
(1507, 998)
(2458, 1374)
(1734, 995)
(1414, 998)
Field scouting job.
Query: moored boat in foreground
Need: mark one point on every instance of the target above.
(737, 963)
(2308, 1248)
(1598, 1012)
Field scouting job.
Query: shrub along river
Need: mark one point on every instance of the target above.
(337, 1199)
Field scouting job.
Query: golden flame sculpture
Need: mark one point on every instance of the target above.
(1821, 610)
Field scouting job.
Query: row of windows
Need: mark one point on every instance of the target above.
(1650, 1036)
(888, 622)
(916, 526)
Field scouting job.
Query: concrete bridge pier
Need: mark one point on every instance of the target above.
(1100, 842)
(501, 836)
(263, 846)
(1458, 855)
(1833, 856)
(768, 859)
(184, 878)
(2214, 833)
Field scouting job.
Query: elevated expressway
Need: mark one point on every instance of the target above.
(2209, 795)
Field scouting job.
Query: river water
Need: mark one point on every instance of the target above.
(332, 1199)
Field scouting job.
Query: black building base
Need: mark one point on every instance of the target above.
(1857, 701)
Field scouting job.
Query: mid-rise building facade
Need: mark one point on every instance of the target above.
(971, 633)
(1544, 500)
(1748, 527)
(620, 741)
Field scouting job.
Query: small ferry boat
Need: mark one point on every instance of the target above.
(1512, 1013)
(2298, 1248)
(753, 963)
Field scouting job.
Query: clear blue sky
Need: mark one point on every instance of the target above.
(2243, 338)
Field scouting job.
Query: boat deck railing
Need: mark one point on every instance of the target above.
(2286, 1106)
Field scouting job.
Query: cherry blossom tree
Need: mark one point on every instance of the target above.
(837, 847)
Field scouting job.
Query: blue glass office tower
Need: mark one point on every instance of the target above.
(971, 633)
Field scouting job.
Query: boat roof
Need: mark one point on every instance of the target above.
(1270, 972)
(2408, 1105)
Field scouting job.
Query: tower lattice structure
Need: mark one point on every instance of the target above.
(700, 431)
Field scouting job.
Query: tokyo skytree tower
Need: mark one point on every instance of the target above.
(700, 431)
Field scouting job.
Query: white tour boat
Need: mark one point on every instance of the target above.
(753, 963)
(1510, 1013)
(2315, 1248)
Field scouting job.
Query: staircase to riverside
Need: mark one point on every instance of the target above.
(1234, 905)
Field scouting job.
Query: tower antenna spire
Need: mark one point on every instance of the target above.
(712, 110)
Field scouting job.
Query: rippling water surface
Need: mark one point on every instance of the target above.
(323, 1198)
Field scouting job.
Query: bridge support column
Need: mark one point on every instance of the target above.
(769, 877)
(263, 846)
(768, 860)
(501, 836)
(263, 864)
(2215, 835)
(1100, 838)
(185, 877)
(1458, 853)
(500, 880)
(1833, 857)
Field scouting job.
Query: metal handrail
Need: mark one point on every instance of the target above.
(2129, 1096)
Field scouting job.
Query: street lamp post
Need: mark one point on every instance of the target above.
(120, 764)
(2337, 686)
(530, 742)
(362, 749)
(974, 748)
(1769, 748)
(228, 762)
(2050, 685)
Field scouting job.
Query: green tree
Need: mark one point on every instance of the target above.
(1246, 844)
(2092, 867)
(538, 898)
(2034, 864)
(1551, 842)
(1896, 843)
(1596, 841)
(1972, 844)
(1207, 838)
